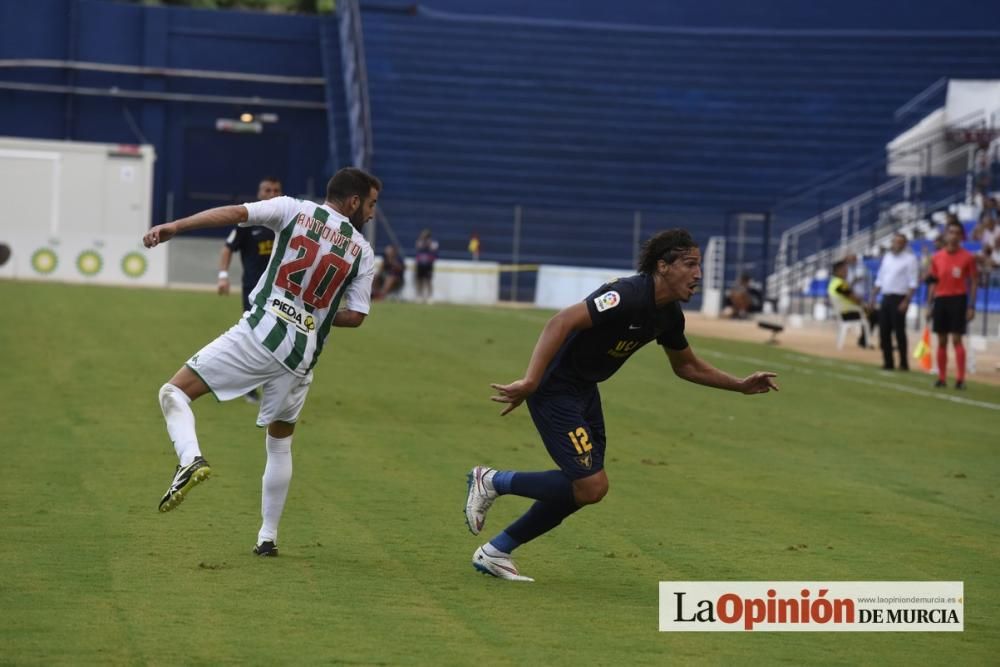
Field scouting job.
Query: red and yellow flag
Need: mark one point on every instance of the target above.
(922, 352)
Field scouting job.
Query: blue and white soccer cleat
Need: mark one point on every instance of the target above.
(480, 498)
(496, 564)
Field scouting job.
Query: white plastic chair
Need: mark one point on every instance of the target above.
(855, 326)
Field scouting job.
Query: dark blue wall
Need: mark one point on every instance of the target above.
(197, 165)
(697, 125)
(774, 14)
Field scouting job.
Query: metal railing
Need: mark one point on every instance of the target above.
(714, 276)
(860, 222)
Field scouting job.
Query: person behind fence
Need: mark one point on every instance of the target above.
(951, 299)
(848, 304)
(987, 232)
(983, 173)
(426, 255)
(743, 298)
(389, 279)
(897, 282)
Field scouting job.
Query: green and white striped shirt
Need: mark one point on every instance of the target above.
(318, 258)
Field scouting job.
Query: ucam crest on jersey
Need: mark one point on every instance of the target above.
(606, 301)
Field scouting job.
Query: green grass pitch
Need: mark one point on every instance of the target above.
(846, 474)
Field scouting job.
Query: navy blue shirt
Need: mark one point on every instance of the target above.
(254, 245)
(625, 318)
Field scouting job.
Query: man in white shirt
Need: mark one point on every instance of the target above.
(897, 281)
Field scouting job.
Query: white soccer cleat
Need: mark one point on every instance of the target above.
(480, 498)
(498, 565)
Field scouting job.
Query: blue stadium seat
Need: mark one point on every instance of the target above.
(684, 126)
(817, 287)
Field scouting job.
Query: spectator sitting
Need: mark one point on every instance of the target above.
(845, 301)
(389, 280)
(742, 299)
(859, 278)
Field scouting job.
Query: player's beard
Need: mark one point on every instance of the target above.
(358, 219)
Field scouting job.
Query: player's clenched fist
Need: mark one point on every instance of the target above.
(159, 234)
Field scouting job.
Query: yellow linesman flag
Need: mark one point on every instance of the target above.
(922, 352)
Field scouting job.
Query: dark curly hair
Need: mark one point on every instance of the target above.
(351, 181)
(666, 245)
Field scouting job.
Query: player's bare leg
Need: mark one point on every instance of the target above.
(590, 490)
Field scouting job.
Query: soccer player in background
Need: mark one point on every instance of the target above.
(579, 347)
(319, 258)
(254, 246)
(951, 299)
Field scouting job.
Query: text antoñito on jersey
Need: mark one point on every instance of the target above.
(334, 236)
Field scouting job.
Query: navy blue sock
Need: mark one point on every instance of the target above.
(538, 520)
(551, 485)
(501, 481)
(504, 542)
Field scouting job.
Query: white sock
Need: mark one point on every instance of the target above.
(176, 407)
(274, 486)
(491, 550)
(488, 480)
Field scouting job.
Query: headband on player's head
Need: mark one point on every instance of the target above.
(670, 255)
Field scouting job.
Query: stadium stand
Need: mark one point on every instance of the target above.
(680, 125)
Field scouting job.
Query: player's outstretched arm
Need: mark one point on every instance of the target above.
(222, 216)
(555, 333)
(689, 367)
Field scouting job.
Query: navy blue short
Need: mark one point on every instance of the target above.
(568, 416)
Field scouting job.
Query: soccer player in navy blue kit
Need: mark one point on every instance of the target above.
(579, 347)
(254, 246)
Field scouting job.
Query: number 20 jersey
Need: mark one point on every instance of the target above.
(318, 260)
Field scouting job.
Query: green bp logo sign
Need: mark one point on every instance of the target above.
(134, 265)
(44, 261)
(89, 263)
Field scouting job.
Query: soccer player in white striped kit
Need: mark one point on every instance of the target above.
(319, 259)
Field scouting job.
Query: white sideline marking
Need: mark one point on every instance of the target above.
(854, 378)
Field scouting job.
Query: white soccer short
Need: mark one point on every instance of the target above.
(235, 363)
